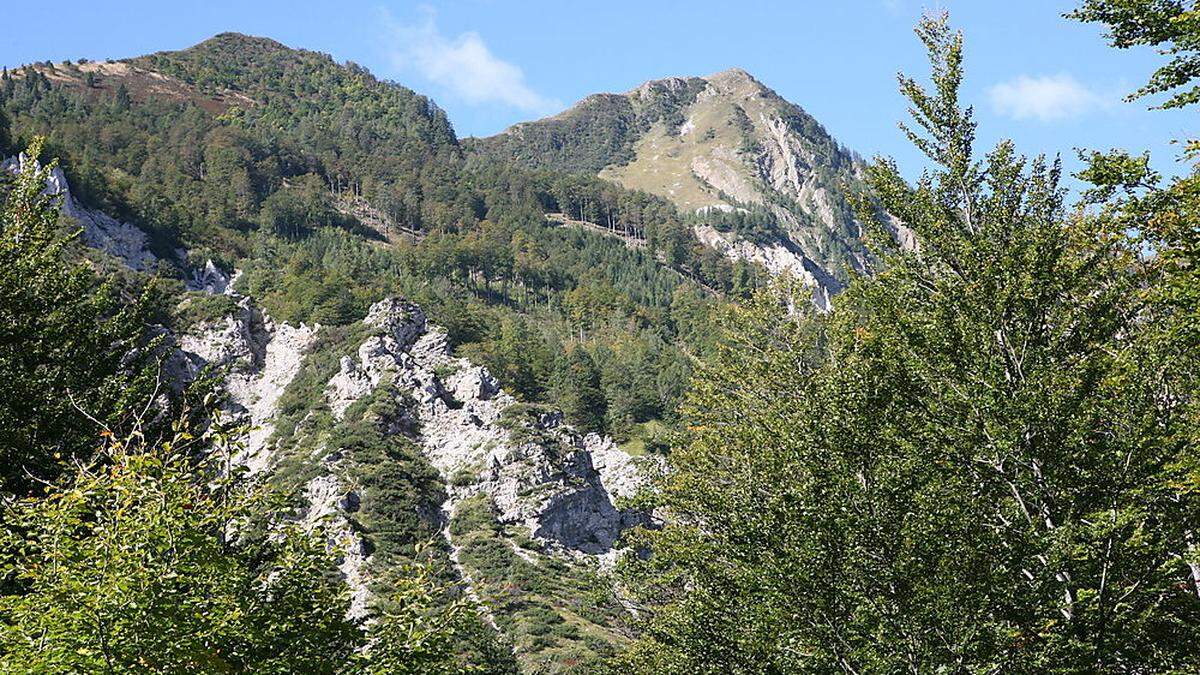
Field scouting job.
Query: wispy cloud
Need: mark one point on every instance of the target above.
(462, 64)
(1046, 98)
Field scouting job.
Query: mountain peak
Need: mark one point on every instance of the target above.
(230, 39)
(733, 73)
(725, 148)
(221, 52)
(736, 81)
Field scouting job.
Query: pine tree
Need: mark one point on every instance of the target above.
(5, 135)
(579, 392)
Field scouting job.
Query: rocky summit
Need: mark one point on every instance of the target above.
(762, 180)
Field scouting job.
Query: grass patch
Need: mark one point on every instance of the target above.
(651, 437)
(199, 308)
(561, 616)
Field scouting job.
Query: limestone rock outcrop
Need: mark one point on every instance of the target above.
(541, 475)
(124, 241)
(538, 472)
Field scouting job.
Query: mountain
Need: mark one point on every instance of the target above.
(470, 343)
(761, 179)
(428, 366)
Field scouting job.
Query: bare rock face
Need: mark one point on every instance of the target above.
(329, 500)
(259, 358)
(121, 240)
(538, 472)
(622, 475)
(210, 279)
(540, 475)
(776, 258)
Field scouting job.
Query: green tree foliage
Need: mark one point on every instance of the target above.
(143, 551)
(560, 617)
(5, 131)
(134, 564)
(418, 634)
(73, 351)
(145, 560)
(971, 464)
(1163, 216)
(578, 383)
(1169, 25)
(331, 189)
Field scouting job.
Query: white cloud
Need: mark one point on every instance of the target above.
(1047, 98)
(463, 65)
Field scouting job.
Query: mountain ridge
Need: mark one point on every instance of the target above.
(547, 353)
(761, 179)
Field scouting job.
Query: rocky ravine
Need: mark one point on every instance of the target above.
(559, 485)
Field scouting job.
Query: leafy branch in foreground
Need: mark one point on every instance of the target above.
(135, 563)
(64, 332)
(1173, 26)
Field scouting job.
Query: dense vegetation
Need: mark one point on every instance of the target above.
(990, 447)
(93, 350)
(984, 458)
(265, 157)
(131, 545)
(561, 615)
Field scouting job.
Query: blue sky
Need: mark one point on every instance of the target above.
(1050, 84)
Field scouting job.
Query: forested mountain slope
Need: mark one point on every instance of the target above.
(263, 158)
(281, 203)
(291, 380)
(760, 179)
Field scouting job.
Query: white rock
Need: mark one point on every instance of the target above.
(549, 486)
(259, 359)
(122, 240)
(327, 499)
(210, 279)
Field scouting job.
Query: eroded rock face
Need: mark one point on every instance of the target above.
(121, 240)
(259, 358)
(777, 259)
(210, 279)
(545, 481)
(329, 500)
(539, 474)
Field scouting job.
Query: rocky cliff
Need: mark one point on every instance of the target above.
(121, 240)
(551, 495)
